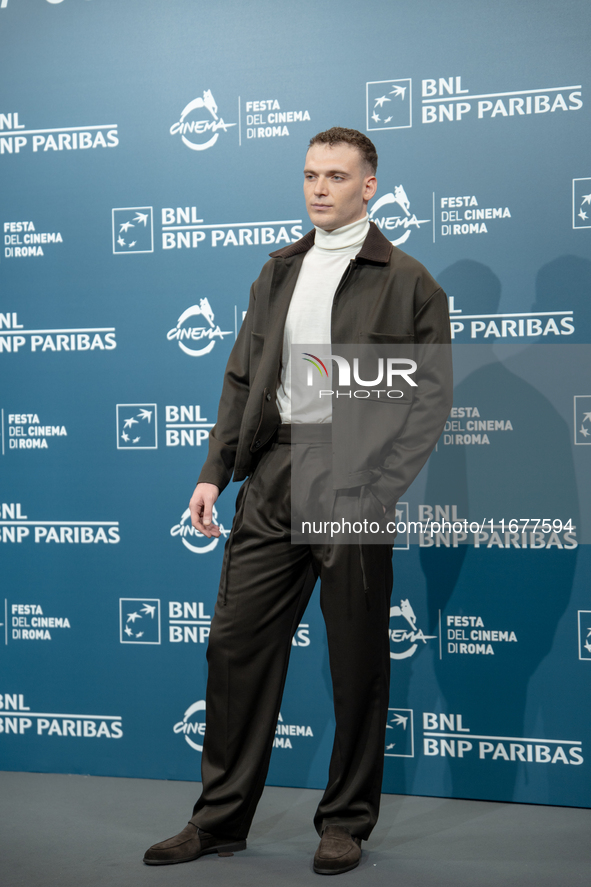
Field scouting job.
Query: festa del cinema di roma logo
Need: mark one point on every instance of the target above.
(394, 221)
(199, 124)
(187, 531)
(210, 333)
(405, 642)
(193, 725)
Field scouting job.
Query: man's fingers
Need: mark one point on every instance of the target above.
(207, 512)
(201, 509)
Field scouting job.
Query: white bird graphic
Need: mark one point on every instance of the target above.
(586, 416)
(120, 241)
(139, 634)
(400, 719)
(145, 414)
(148, 609)
(125, 437)
(141, 217)
(587, 198)
(125, 226)
(581, 214)
(375, 117)
(381, 100)
(128, 631)
(133, 616)
(398, 91)
(130, 422)
(388, 747)
(135, 440)
(133, 243)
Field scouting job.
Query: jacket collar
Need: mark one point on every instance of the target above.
(376, 247)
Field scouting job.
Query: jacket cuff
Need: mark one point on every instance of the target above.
(209, 475)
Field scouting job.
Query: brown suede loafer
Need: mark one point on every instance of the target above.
(338, 851)
(190, 844)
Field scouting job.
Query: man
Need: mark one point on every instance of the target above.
(344, 282)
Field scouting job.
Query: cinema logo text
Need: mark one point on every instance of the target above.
(28, 622)
(405, 635)
(13, 337)
(284, 733)
(199, 125)
(446, 736)
(466, 421)
(22, 241)
(192, 539)
(17, 718)
(265, 119)
(15, 527)
(468, 635)
(15, 137)
(210, 333)
(193, 725)
(467, 216)
(25, 432)
(389, 223)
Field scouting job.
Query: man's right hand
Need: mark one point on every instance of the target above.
(201, 508)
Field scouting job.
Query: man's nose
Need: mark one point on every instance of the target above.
(321, 186)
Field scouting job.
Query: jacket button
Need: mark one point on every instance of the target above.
(268, 397)
(257, 444)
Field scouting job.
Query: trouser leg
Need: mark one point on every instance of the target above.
(268, 582)
(357, 630)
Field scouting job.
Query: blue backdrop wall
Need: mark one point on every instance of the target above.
(151, 157)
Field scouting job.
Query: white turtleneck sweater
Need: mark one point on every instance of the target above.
(308, 322)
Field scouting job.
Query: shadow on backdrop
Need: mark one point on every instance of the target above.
(524, 472)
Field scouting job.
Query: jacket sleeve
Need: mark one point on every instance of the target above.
(431, 406)
(223, 438)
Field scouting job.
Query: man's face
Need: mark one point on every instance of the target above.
(337, 185)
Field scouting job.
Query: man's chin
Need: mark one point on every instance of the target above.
(321, 221)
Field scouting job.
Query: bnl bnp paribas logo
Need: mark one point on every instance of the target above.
(446, 100)
(582, 203)
(584, 634)
(133, 229)
(389, 104)
(199, 125)
(582, 419)
(139, 620)
(137, 426)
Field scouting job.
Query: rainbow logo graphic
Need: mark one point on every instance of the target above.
(316, 362)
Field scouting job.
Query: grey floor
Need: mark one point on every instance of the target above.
(84, 830)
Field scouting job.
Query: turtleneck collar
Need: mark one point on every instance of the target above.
(342, 238)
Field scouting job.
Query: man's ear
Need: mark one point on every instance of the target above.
(370, 187)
